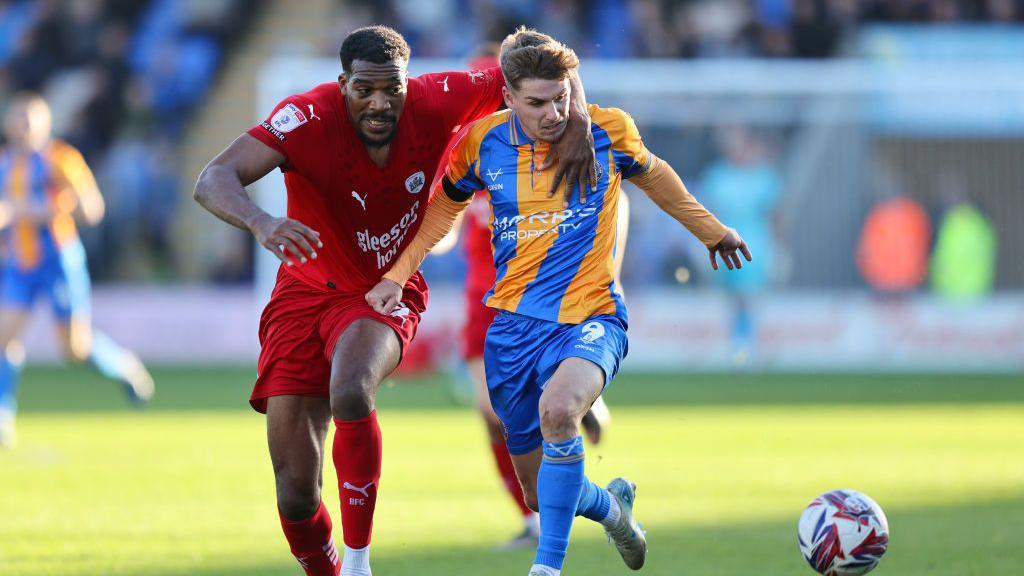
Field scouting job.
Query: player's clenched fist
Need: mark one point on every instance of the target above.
(384, 297)
(287, 239)
(728, 248)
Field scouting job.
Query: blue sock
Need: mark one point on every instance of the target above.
(595, 502)
(9, 372)
(108, 358)
(559, 483)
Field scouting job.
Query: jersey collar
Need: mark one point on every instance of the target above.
(517, 136)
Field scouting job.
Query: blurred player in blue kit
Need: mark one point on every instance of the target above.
(45, 185)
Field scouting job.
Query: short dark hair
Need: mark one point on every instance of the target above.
(377, 44)
(527, 53)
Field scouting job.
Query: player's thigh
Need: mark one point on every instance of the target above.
(296, 430)
(365, 353)
(569, 393)
(478, 374)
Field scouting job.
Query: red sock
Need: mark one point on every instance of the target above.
(357, 456)
(312, 544)
(508, 475)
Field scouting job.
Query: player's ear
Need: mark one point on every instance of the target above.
(506, 95)
(343, 83)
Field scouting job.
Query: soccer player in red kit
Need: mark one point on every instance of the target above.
(356, 155)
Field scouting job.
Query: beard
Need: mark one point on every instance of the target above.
(377, 140)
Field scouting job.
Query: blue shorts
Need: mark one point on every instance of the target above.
(521, 354)
(63, 278)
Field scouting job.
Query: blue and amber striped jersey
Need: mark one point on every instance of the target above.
(552, 262)
(40, 179)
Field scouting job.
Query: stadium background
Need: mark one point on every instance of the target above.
(877, 344)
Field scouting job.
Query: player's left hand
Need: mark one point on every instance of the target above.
(577, 162)
(384, 297)
(728, 248)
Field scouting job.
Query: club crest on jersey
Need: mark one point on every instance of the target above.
(415, 182)
(288, 118)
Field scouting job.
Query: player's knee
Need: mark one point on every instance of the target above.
(351, 398)
(495, 431)
(557, 421)
(297, 497)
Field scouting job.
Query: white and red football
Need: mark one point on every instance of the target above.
(843, 533)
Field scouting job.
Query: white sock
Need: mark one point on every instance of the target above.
(545, 570)
(356, 562)
(614, 513)
(532, 523)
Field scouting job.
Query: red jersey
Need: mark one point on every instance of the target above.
(366, 215)
(476, 232)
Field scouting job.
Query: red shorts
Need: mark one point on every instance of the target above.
(478, 320)
(301, 325)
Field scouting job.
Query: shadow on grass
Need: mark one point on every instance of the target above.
(973, 539)
(76, 389)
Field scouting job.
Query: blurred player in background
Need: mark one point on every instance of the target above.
(356, 156)
(44, 186)
(561, 329)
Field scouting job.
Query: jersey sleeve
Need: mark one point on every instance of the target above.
(72, 168)
(463, 97)
(463, 171)
(628, 150)
(287, 129)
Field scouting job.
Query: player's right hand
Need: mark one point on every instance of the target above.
(289, 240)
(385, 296)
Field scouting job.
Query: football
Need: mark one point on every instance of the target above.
(843, 533)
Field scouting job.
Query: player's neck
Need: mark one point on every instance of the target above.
(378, 154)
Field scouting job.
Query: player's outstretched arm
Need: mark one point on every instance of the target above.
(444, 209)
(661, 183)
(575, 149)
(221, 190)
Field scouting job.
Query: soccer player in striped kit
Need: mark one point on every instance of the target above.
(45, 185)
(560, 333)
(356, 155)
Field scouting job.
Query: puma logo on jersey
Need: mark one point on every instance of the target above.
(360, 199)
(311, 113)
(475, 75)
(444, 83)
(364, 490)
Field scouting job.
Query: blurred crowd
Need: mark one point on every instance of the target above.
(666, 28)
(122, 78)
(125, 77)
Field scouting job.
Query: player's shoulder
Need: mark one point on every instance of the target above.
(493, 124)
(300, 112)
(58, 150)
(59, 146)
(615, 121)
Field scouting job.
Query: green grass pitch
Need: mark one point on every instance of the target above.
(724, 464)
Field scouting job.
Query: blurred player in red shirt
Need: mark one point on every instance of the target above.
(356, 156)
